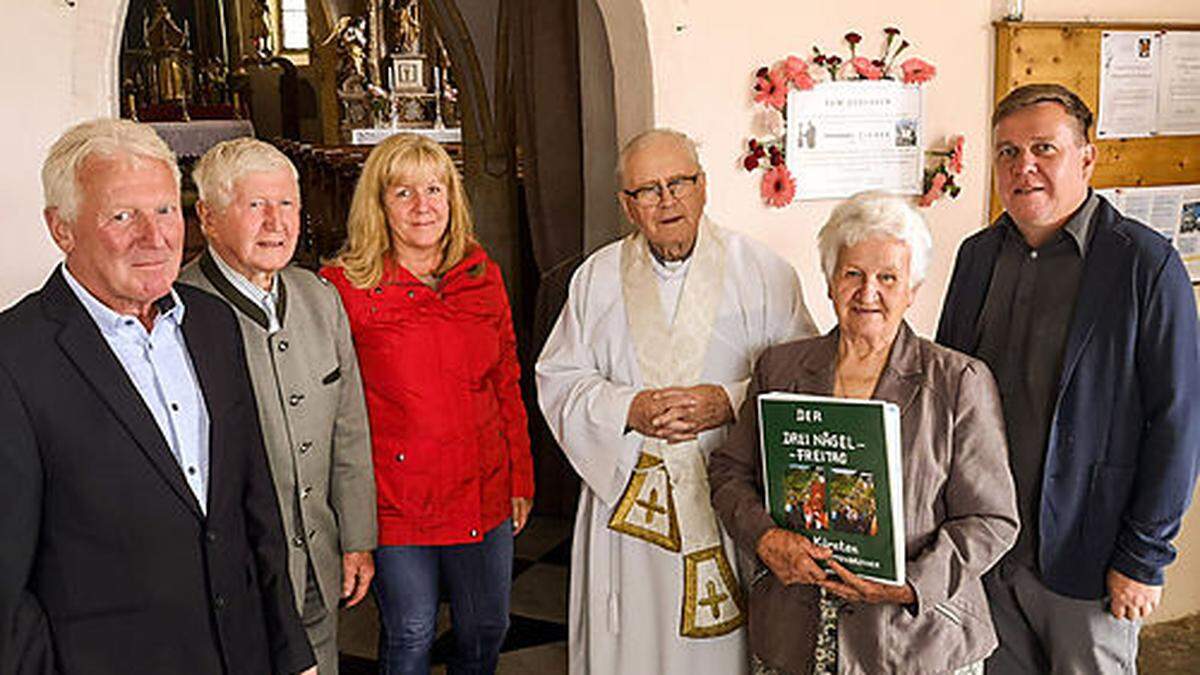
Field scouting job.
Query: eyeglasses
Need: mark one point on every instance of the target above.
(652, 195)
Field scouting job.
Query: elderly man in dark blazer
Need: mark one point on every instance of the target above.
(140, 529)
(1089, 323)
(305, 376)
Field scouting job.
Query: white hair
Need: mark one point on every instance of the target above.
(875, 214)
(219, 170)
(103, 138)
(638, 142)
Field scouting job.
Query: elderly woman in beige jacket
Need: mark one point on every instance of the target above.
(959, 506)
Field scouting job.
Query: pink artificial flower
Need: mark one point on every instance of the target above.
(796, 71)
(866, 69)
(917, 71)
(772, 89)
(956, 155)
(936, 185)
(778, 186)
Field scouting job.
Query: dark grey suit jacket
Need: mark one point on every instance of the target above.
(108, 565)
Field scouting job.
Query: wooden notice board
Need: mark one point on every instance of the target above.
(1068, 53)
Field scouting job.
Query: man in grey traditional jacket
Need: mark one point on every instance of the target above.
(305, 376)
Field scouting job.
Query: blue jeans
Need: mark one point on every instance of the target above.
(478, 579)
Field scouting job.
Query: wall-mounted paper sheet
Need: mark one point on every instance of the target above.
(1128, 84)
(846, 137)
(1179, 85)
(1172, 210)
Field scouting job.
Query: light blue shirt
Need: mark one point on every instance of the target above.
(265, 300)
(160, 367)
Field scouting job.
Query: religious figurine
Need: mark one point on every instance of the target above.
(409, 27)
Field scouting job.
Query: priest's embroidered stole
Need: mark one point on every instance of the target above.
(666, 502)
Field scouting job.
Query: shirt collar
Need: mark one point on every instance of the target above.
(109, 321)
(244, 285)
(1078, 227)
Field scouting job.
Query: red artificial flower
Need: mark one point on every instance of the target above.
(891, 32)
(956, 155)
(772, 89)
(917, 71)
(866, 69)
(751, 162)
(834, 61)
(778, 186)
(796, 71)
(936, 185)
(853, 38)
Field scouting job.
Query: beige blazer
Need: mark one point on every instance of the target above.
(960, 512)
(314, 420)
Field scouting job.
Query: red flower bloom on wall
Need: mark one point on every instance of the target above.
(866, 69)
(778, 186)
(917, 71)
(772, 89)
(796, 71)
(936, 186)
(956, 156)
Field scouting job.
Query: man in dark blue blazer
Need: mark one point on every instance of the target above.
(139, 526)
(1088, 321)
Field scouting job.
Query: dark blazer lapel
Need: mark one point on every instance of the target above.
(211, 368)
(83, 344)
(901, 377)
(976, 282)
(1106, 253)
(208, 267)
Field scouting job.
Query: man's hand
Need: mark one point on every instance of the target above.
(358, 568)
(854, 588)
(310, 671)
(792, 557)
(521, 506)
(1131, 599)
(679, 413)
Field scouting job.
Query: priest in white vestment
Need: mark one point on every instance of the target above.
(639, 379)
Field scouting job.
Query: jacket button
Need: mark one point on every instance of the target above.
(305, 491)
(211, 537)
(474, 532)
(305, 447)
(295, 399)
(298, 541)
(412, 294)
(283, 345)
(219, 602)
(378, 290)
(399, 456)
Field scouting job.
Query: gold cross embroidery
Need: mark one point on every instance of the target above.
(651, 506)
(714, 599)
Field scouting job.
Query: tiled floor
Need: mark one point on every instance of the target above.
(537, 635)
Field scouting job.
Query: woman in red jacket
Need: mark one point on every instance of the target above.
(433, 331)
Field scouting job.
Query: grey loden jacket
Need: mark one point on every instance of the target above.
(960, 513)
(314, 420)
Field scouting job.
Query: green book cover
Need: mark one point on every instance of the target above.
(831, 471)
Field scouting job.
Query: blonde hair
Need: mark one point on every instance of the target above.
(369, 242)
(219, 170)
(99, 137)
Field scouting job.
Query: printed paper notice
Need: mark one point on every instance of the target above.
(1179, 86)
(846, 137)
(1128, 84)
(1172, 210)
